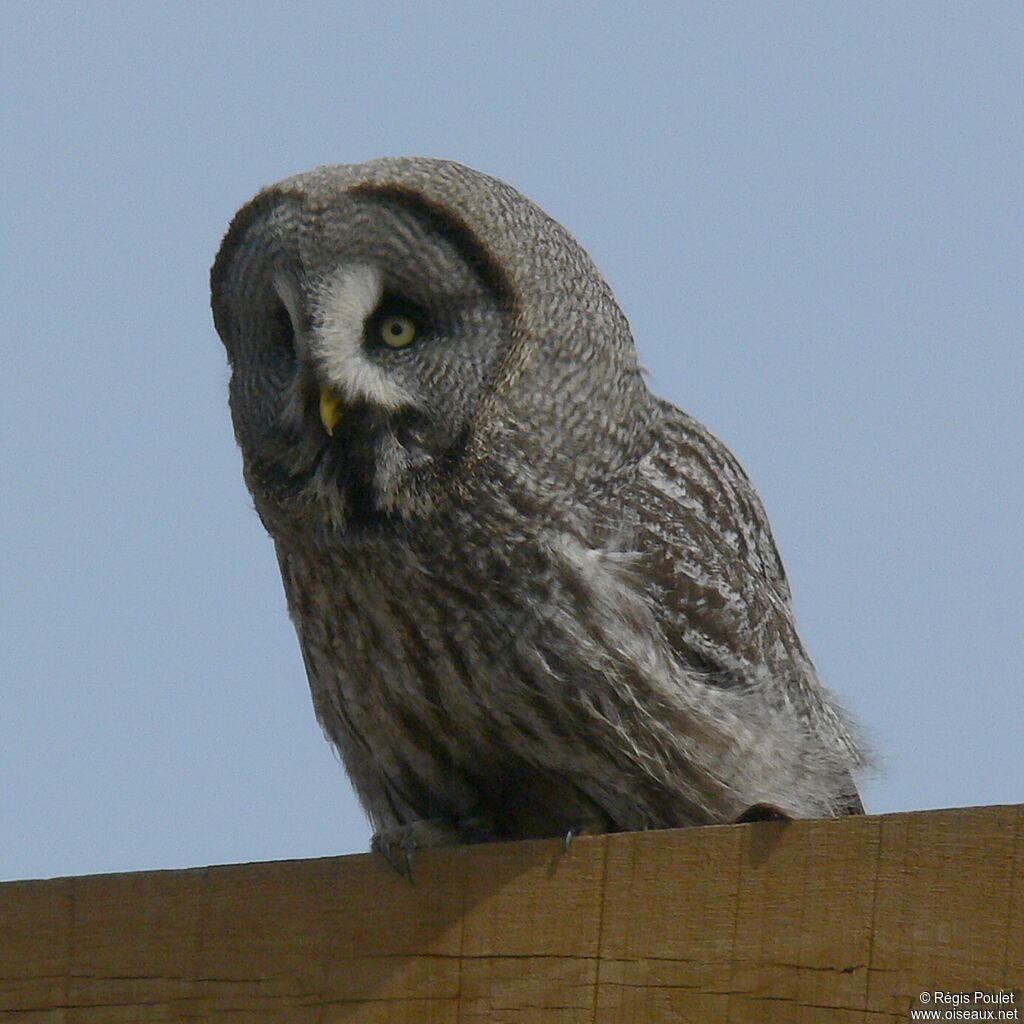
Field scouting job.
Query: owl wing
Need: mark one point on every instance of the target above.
(719, 589)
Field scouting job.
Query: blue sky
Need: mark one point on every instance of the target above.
(810, 213)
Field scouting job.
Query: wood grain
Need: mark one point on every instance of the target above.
(792, 922)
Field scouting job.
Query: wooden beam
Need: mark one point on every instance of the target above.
(808, 921)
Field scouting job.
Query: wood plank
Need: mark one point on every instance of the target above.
(791, 922)
(945, 885)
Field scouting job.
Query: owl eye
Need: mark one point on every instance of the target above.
(397, 331)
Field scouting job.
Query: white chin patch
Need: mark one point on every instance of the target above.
(344, 303)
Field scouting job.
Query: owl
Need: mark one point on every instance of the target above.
(532, 598)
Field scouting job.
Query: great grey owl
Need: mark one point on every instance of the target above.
(532, 598)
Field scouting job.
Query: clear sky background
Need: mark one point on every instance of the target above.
(810, 213)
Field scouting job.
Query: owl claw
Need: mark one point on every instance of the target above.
(399, 855)
(379, 844)
(398, 844)
(586, 826)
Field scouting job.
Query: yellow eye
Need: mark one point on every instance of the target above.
(397, 331)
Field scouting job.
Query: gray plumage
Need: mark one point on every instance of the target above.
(531, 597)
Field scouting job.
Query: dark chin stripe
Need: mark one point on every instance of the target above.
(350, 461)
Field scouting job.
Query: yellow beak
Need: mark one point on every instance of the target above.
(330, 410)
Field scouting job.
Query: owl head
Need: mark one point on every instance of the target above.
(392, 327)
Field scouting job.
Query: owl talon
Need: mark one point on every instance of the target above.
(383, 846)
(587, 825)
(398, 844)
